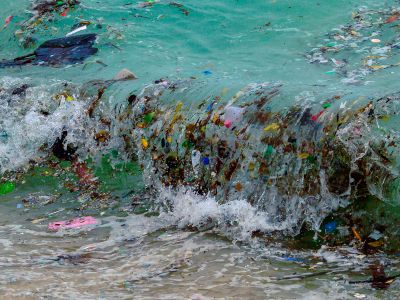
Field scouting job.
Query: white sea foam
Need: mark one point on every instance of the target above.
(238, 219)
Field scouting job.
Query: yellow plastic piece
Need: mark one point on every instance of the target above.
(273, 126)
(303, 155)
(145, 143)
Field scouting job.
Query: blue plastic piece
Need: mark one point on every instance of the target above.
(206, 161)
(330, 227)
(295, 259)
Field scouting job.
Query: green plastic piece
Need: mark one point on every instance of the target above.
(65, 164)
(268, 152)
(188, 144)
(148, 118)
(312, 159)
(6, 188)
(326, 105)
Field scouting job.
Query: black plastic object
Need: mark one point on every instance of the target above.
(57, 52)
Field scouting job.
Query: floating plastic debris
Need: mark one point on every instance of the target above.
(68, 50)
(73, 223)
(76, 30)
(6, 188)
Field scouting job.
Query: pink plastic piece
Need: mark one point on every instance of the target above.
(357, 131)
(73, 223)
(7, 21)
(228, 124)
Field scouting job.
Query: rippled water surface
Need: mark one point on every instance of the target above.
(225, 45)
(145, 258)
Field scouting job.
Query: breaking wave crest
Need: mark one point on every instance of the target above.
(213, 158)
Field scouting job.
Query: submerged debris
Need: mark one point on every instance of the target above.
(379, 279)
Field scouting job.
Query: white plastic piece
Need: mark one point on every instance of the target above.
(196, 156)
(76, 30)
(233, 115)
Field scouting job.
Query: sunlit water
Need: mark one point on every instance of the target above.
(226, 45)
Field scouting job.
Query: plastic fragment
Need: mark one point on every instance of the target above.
(102, 136)
(148, 118)
(73, 223)
(376, 235)
(178, 107)
(65, 12)
(233, 115)
(376, 244)
(6, 188)
(273, 126)
(392, 19)
(316, 116)
(7, 21)
(187, 144)
(330, 227)
(36, 221)
(295, 259)
(145, 144)
(384, 118)
(269, 151)
(76, 30)
(303, 155)
(215, 118)
(377, 67)
(251, 166)
(338, 63)
(206, 161)
(84, 173)
(196, 156)
(375, 40)
(210, 107)
(207, 72)
(356, 234)
(326, 105)
(238, 186)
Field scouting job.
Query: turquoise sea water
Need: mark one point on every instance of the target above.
(228, 38)
(225, 45)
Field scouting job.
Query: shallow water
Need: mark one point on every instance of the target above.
(225, 45)
(148, 258)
